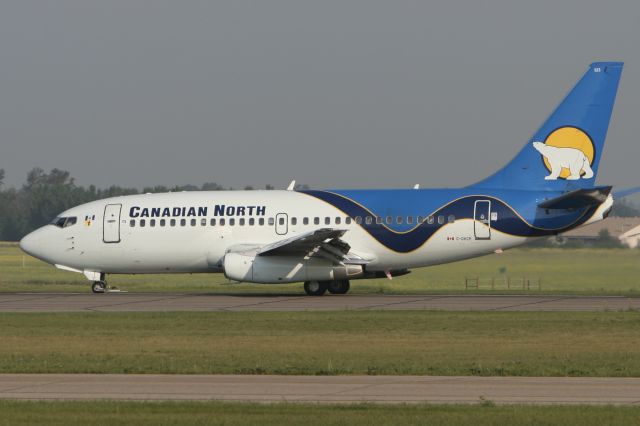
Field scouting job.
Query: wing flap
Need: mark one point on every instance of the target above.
(325, 243)
(302, 243)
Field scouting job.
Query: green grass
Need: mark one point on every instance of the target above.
(324, 343)
(580, 271)
(219, 413)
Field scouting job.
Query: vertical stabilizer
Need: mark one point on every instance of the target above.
(566, 151)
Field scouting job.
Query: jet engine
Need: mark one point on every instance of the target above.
(248, 267)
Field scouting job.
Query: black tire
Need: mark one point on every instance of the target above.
(99, 287)
(315, 288)
(338, 286)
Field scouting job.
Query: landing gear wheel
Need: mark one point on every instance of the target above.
(315, 288)
(99, 287)
(338, 287)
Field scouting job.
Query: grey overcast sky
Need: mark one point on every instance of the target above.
(360, 93)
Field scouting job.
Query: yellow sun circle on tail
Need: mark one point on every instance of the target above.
(570, 137)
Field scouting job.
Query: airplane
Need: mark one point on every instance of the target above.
(326, 238)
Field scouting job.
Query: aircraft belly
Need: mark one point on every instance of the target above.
(150, 255)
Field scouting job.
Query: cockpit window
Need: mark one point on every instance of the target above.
(63, 222)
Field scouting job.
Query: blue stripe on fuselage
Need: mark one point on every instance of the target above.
(518, 215)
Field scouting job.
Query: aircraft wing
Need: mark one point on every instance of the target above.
(323, 242)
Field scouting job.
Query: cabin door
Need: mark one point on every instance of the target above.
(482, 219)
(111, 223)
(282, 223)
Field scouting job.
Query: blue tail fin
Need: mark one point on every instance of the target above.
(565, 152)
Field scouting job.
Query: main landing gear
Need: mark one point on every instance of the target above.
(318, 288)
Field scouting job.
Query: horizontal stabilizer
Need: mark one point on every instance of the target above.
(578, 198)
(626, 192)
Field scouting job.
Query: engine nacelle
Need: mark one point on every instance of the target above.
(279, 269)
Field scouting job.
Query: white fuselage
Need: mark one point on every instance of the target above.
(193, 244)
(192, 232)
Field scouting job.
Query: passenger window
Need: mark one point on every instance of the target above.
(281, 220)
(420, 219)
(294, 221)
(451, 218)
(399, 220)
(338, 220)
(389, 220)
(252, 221)
(173, 222)
(261, 221)
(440, 220)
(132, 223)
(305, 221)
(241, 221)
(358, 220)
(212, 222)
(152, 222)
(142, 223)
(316, 221)
(368, 220)
(327, 221)
(193, 222)
(409, 220)
(203, 221)
(272, 221)
(430, 220)
(378, 220)
(347, 220)
(232, 222)
(222, 222)
(163, 222)
(183, 222)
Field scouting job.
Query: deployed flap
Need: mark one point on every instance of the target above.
(323, 242)
(578, 198)
(301, 244)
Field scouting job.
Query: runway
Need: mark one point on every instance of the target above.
(323, 389)
(143, 302)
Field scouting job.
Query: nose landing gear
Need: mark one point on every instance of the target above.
(99, 284)
(99, 287)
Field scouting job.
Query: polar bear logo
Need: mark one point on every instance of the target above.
(569, 158)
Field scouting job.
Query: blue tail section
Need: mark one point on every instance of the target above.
(565, 152)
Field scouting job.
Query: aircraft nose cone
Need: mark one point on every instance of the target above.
(32, 243)
(29, 243)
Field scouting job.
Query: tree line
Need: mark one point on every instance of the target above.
(44, 195)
